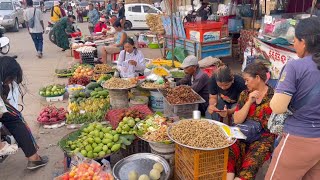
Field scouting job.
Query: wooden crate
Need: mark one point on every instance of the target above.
(219, 48)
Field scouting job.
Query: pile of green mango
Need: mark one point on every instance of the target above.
(97, 141)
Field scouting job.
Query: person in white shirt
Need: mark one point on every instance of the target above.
(131, 61)
(35, 27)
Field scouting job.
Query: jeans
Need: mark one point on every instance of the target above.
(38, 41)
(220, 105)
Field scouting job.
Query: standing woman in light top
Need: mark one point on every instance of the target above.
(298, 154)
(131, 60)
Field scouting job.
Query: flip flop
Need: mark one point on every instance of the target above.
(8, 149)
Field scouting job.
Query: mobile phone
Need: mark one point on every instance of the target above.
(219, 110)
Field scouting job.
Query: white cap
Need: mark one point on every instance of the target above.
(191, 60)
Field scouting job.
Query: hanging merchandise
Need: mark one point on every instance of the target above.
(248, 55)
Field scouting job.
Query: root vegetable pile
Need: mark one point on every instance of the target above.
(199, 134)
(51, 115)
(117, 83)
(155, 23)
(181, 95)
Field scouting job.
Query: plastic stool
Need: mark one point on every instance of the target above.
(114, 56)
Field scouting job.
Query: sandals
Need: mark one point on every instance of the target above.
(8, 149)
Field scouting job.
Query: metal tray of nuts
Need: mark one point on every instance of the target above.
(232, 140)
(200, 101)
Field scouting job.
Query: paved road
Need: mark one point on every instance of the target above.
(37, 73)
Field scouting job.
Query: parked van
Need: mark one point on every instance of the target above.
(136, 15)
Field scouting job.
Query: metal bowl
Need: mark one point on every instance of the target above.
(142, 163)
(232, 141)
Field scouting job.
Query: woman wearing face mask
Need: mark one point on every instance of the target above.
(101, 26)
(224, 89)
(298, 154)
(246, 157)
(131, 60)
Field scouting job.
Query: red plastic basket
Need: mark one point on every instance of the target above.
(225, 19)
(76, 54)
(76, 34)
(203, 29)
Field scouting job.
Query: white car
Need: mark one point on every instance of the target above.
(11, 14)
(136, 15)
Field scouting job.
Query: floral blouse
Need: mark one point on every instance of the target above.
(259, 112)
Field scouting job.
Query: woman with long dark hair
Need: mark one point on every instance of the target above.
(10, 71)
(224, 88)
(298, 154)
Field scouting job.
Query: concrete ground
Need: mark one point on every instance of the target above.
(37, 73)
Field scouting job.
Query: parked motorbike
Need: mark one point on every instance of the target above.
(5, 136)
(48, 30)
(4, 42)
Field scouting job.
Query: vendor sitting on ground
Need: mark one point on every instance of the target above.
(101, 26)
(225, 89)
(197, 79)
(246, 157)
(120, 37)
(131, 60)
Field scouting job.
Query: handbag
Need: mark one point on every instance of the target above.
(276, 121)
(32, 20)
(251, 129)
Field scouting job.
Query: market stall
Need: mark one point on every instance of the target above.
(146, 127)
(111, 129)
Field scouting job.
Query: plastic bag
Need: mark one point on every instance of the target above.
(179, 53)
(142, 39)
(88, 168)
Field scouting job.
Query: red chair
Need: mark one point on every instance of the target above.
(114, 56)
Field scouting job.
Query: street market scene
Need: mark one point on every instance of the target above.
(159, 90)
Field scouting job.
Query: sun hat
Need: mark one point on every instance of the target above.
(102, 19)
(191, 60)
(56, 3)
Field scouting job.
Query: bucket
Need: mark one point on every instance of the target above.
(139, 100)
(119, 99)
(156, 99)
(164, 150)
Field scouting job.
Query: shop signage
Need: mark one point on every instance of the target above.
(277, 57)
